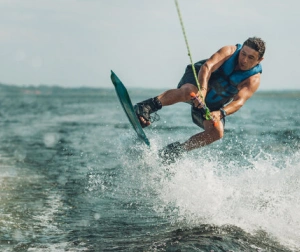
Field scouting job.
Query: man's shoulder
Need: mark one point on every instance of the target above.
(230, 48)
(227, 51)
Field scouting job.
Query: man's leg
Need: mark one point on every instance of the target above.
(181, 94)
(210, 134)
(169, 97)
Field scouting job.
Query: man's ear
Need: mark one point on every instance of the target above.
(260, 59)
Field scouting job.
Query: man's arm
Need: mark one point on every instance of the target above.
(212, 64)
(246, 89)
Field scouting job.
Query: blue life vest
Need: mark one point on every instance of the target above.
(223, 82)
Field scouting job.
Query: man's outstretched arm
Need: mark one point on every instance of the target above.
(247, 89)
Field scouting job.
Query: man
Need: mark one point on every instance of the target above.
(227, 80)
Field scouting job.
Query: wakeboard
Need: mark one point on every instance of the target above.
(125, 101)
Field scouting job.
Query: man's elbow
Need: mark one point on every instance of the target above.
(206, 67)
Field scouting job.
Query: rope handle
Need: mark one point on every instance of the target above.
(205, 109)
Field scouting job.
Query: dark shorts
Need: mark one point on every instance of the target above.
(189, 77)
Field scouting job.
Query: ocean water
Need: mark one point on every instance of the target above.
(74, 177)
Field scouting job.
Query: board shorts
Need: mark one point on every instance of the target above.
(188, 77)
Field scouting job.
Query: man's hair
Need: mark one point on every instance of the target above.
(257, 44)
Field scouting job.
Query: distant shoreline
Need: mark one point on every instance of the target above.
(55, 89)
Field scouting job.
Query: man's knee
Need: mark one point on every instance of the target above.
(219, 134)
(216, 132)
(187, 89)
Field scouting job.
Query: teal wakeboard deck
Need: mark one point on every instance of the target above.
(128, 108)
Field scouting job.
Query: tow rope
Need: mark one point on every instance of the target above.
(193, 95)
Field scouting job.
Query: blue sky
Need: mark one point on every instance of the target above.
(75, 43)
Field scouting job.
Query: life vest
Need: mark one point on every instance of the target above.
(224, 81)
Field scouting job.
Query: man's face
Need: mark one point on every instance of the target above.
(248, 58)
